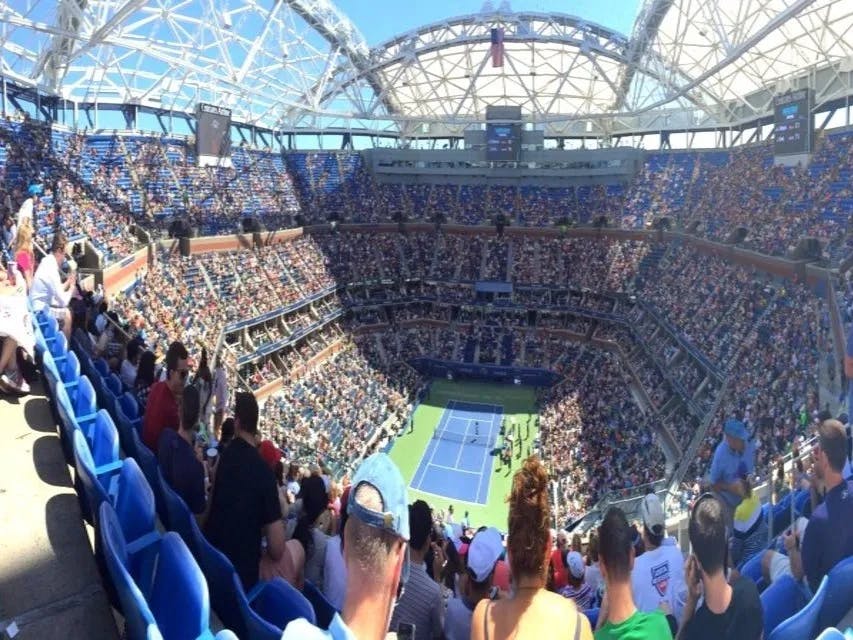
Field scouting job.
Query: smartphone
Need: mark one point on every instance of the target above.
(405, 631)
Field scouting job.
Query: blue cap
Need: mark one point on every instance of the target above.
(736, 429)
(381, 473)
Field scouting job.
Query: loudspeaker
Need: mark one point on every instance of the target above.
(251, 225)
(600, 222)
(180, 229)
(184, 246)
(808, 249)
(737, 236)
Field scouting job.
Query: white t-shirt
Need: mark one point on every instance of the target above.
(335, 573)
(47, 290)
(658, 576)
(26, 211)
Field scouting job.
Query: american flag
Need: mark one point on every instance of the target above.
(497, 47)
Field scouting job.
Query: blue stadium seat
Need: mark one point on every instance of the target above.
(592, 616)
(129, 406)
(70, 372)
(804, 623)
(138, 618)
(839, 594)
(134, 502)
(101, 366)
(113, 384)
(176, 516)
(103, 439)
(752, 568)
(281, 604)
(831, 634)
(323, 609)
(148, 463)
(780, 601)
(178, 595)
(228, 598)
(94, 484)
(59, 347)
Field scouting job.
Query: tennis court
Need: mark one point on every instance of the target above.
(457, 462)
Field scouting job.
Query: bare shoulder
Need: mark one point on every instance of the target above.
(477, 620)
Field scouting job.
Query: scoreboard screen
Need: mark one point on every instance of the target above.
(794, 130)
(213, 133)
(503, 142)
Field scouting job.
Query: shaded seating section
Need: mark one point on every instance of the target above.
(164, 582)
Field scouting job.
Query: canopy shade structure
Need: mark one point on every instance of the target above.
(290, 64)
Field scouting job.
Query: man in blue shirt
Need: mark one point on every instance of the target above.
(182, 469)
(375, 553)
(734, 459)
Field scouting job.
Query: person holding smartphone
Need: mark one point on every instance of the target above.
(731, 611)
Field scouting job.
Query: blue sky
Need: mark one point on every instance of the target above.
(380, 20)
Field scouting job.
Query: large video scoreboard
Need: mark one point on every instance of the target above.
(503, 141)
(794, 125)
(213, 135)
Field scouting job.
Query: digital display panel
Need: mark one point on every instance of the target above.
(503, 142)
(213, 132)
(794, 130)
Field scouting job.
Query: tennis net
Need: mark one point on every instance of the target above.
(481, 440)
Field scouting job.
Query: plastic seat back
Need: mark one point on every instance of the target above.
(70, 371)
(280, 603)
(101, 367)
(177, 516)
(803, 624)
(90, 490)
(780, 601)
(178, 597)
(324, 611)
(831, 634)
(138, 617)
(113, 384)
(129, 406)
(59, 346)
(839, 594)
(85, 403)
(134, 502)
(104, 440)
(148, 463)
(228, 598)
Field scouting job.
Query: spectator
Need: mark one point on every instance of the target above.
(24, 256)
(245, 500)
(728, 611)
(531, 611)
(226, 435)
(204, 381)
(374, 552)
(220, 392)
(750, 527)
(658, 574)
(593, 571)
(828, 536)
(130, 364)
(10, 232)
(421, 604)
(619, 616)
(144, 378)
(334, 568)
(49, 293)
(558, 557)
(475, 584)
(181, 458)
(577, 588)
(161, 407)
(308, 529)
(734, 459)
(16, 332)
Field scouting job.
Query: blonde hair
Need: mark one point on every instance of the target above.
(24, 239)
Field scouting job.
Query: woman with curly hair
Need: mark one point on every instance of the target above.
(530, 611)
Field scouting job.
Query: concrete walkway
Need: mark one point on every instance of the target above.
(49, 584)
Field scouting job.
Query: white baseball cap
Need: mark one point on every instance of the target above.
(484, 552)
(651, 511)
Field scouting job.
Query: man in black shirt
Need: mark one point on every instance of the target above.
(729, 611)
(245, 499)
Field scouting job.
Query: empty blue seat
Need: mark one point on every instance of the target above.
(134, 502)
(803, 624)
(228, 599)
(839, 594)
(103, 439)
(282, 604)
(324, 611)
(780, 601)
(831, 634)
(101, 367)
(129, 406)
(113, 384)
(138, 618)
(592, 616)
(178, 595)
(93, 483)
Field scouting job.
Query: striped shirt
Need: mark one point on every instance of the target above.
(420, 605)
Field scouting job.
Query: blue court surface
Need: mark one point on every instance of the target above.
(457, 462)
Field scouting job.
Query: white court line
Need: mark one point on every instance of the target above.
(441, 466)
(462, 444)
(486, 457)
(435, 444)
